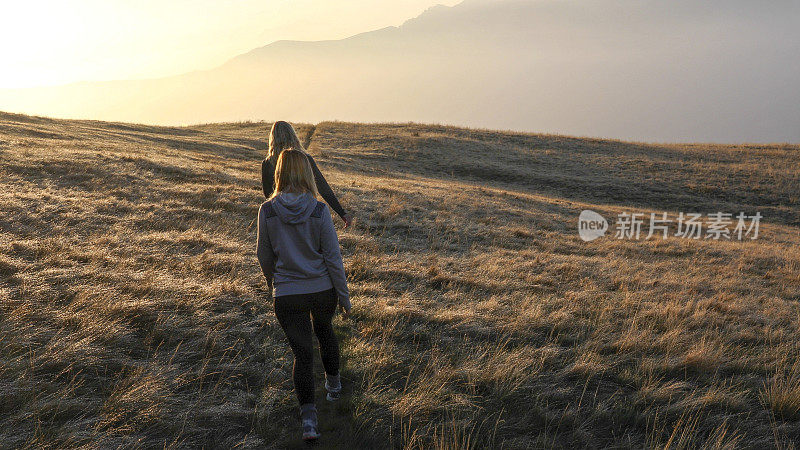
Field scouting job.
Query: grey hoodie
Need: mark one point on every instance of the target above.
(298, 249)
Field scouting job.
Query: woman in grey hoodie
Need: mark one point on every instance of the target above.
(298, 251)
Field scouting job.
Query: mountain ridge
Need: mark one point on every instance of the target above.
(648, 71)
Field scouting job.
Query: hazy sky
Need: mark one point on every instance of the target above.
(47, 42)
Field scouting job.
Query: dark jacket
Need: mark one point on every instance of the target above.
(268, 184)
(298, 249)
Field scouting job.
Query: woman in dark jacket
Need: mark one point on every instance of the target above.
(281, 137)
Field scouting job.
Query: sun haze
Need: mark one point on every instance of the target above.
(658, 71)
(50, 42)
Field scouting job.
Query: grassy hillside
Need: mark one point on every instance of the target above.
(132, 310)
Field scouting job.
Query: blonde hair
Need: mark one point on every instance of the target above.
(281, 137)
(293, 174)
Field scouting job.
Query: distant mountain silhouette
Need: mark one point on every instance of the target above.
(656, 70)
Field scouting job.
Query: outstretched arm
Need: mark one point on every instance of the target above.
(325, 190)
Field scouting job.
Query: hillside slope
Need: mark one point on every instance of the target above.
(132, 311)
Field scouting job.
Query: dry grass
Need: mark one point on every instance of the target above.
(132, 311)
(781, 394)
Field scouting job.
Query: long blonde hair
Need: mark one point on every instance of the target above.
(281, 137)
(293, 174)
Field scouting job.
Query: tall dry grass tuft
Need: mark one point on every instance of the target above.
(781, 394)
(686, 433)
(451, 433)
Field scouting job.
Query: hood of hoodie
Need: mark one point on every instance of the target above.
(294, 208)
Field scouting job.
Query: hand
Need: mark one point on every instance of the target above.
(345, 312)
(348, 220)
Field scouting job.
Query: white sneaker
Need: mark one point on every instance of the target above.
(334, 392)
(308, 419)
(310, 432)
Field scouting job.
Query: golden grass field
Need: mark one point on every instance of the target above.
(133, 313)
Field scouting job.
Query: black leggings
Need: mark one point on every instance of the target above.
(293, 315)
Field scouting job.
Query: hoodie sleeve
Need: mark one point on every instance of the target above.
(325, 190)
(266, 256)
(333, 259)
